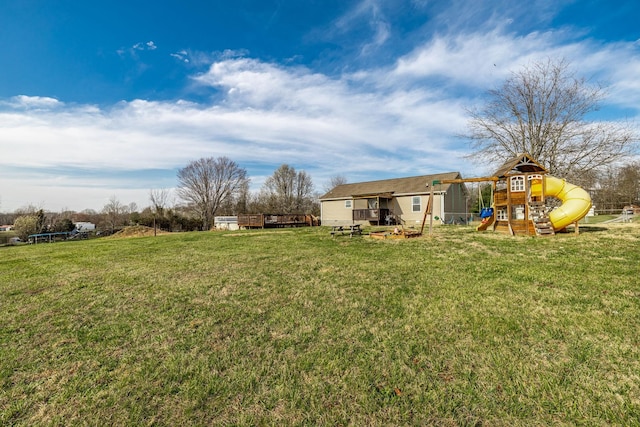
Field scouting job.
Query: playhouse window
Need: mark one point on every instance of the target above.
(416, 204)
(347, 204)
(517, 212)
(501, 214)
(517, 183)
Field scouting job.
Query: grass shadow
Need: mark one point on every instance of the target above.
(591, 229)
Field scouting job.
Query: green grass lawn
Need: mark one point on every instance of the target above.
(294, 327)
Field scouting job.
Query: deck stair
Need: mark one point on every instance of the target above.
(540, 217)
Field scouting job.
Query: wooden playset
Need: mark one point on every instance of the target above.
(521, 190)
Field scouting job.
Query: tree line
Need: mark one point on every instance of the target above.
(207, 187)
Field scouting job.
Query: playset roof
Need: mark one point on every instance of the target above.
(522, 163)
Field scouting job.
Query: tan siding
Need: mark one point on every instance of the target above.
(334, 213)
(404, 206)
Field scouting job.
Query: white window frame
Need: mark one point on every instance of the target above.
(516, 183)
(501, 214)
(414, 204)
(348, 204)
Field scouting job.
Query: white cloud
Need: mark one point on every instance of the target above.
(617, 66)
(181, 56)
(34, 102)
(477, 59)
(400, 120)
(269, 115)
(150, 45)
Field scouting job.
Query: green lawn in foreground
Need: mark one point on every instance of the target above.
(294, 327)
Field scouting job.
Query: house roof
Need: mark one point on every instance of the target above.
(391, 187)
(521, 163)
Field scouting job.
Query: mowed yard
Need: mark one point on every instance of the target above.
(294, 327)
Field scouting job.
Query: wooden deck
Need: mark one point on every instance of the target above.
(276, 220)
(377, 216)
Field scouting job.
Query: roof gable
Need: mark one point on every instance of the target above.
(519, 164)
(391, 187)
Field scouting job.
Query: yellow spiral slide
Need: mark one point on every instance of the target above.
(576, 202)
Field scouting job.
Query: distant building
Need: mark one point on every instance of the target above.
(6, 227)
(85, 226)
(225, 223)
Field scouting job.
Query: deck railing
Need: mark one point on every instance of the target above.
(370, 214)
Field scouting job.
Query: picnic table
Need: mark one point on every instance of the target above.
(342, 229)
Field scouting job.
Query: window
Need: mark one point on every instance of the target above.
(501, 214)
(517, 183)
(517, 212)
(416, 204)
(347, 204)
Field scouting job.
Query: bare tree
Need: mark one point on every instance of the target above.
(541, 110)
(113, 212)
(629, 181)
(159, 199)
(207, 183)
(288, 191)
(617, 186)
(334, 181)
(242, 200)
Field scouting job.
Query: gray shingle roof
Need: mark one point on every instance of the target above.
(396, 186)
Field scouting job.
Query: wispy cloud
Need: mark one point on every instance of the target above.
(181, 56)
(33, 102)
(363, 28)
(150, 45)
(479, 59)
(136, 48)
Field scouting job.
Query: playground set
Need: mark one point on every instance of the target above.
(521, 191)
(524, 199)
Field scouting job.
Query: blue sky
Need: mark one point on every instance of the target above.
(109, 98)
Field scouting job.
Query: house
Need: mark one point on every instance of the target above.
(395, 201)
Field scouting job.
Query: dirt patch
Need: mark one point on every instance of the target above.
(136, 231)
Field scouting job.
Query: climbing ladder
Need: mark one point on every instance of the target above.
(540, 217)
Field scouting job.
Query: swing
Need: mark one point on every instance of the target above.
(485, 212)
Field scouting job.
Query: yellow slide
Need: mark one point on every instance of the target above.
(576, 202)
